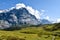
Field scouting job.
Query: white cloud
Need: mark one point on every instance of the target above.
(11, 8)
(19, 5)
(58, 20)
(50, 19)
(2, 11)
(34, 12)
(47, 17)
(37, 14)
(42, 10)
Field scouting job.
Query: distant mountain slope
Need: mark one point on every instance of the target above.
(45, 21)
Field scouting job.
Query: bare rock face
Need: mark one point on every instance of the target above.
(17, 17)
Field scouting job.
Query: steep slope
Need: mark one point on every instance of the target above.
(15, 17)
(20, 15)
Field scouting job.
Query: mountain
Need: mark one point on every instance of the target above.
(15, 17)
(20, 15)
(45, 21)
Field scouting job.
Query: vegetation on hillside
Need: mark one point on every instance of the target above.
(40, 32)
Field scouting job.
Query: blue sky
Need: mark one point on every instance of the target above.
(51, 7)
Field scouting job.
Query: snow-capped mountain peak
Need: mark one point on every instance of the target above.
(19, 15)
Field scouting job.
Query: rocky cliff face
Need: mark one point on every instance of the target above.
(20, 15)
(17, 16)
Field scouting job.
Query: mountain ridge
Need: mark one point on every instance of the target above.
(19, 16)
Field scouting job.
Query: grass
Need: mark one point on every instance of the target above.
(31, 33)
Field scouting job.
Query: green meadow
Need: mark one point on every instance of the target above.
(43, 32)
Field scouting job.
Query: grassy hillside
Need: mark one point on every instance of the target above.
(43, 32)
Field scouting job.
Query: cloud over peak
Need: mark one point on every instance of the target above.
(20, 5)
(34, 12)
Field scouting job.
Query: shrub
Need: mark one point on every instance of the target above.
(14, 38)
(28, 32)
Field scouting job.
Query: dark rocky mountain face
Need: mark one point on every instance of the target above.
(17, 17)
